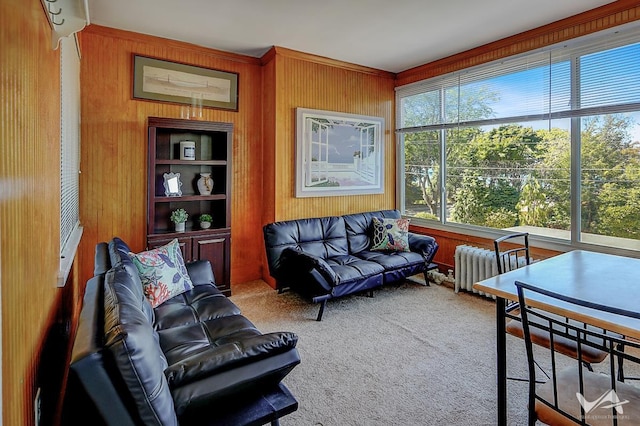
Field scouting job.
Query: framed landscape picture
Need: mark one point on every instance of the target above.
(338, 154)
(158, 80)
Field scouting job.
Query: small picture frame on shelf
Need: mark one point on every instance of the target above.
(172, 185)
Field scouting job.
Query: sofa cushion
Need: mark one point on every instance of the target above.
(397, 265)
(135, 350)
(203, 302)
(119, 256)
(118, 251)
(184, 341)
(224, 356)
(351, 268)
(162, 272)
(322, 237)
(358, 227)
(392, 260)
(389, 234)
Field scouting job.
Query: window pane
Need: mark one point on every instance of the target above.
(421, 110)
(422, 175)
(610, 178)
(525, 88)
(512, 176)
(610, 77)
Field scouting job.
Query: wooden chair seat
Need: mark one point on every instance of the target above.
(563, 345)
(595, 385)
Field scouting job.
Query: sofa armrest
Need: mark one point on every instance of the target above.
(200, 272)
(423, 244)
(300, 262)
(224, 357)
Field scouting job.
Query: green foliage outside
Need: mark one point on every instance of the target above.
(514, 175)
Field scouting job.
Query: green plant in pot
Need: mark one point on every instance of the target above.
(205, 221)
(179, 217)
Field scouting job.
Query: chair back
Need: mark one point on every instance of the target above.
(573, 393)
(509, 257)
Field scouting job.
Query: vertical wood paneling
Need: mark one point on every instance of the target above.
(269, 85)
(114, 155)
(114, 138)
(310, 82)
(448, 241)
(29, 199)
(608, 16)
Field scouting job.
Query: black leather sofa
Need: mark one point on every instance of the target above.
(328, 257)
(193, 359)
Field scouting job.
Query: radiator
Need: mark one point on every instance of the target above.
(473, 264)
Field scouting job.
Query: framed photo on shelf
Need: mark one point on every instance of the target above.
(338, 154)
(160, 80)
(172, 185)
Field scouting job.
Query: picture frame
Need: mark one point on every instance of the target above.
(172, 185)
(338, 154)
(166, 81)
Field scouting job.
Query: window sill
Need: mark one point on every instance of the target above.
(550, 241)
(68, 255)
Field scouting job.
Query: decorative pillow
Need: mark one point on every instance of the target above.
(390, 234)
(162, 272)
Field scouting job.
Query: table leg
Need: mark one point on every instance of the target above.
(501, 358)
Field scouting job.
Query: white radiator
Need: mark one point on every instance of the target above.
(473, 264)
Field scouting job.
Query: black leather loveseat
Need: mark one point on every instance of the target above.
(329, 257)
(193, 359)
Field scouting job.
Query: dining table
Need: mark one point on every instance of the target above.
(598, 278)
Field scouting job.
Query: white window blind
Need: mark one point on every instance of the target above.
(558, 82)
(70, 230)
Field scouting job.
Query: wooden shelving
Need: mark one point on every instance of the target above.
(212, 155)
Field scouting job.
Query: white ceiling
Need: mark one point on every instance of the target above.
(383, 34)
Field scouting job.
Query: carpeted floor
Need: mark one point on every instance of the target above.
(411, 355)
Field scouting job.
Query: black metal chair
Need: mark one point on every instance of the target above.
(573, 394)
(512, 252)
(515, 256)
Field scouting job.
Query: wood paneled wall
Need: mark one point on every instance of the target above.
(114, 153)
(299, 80)
(448, 241)
(610, 15)
(29, 200)
(114, 139)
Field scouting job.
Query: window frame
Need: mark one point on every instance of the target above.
(70, 227)
(623, 35)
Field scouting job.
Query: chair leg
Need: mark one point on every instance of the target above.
(620, 364)
(426, 278)
(321, 311)
(275, 422)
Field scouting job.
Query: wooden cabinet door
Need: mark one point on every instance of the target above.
(184, 242)
(216, 248)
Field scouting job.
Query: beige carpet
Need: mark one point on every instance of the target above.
(411, 355)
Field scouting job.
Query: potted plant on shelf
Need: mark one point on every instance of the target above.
(205, 221)
(179, 217)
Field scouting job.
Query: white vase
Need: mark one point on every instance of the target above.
(205, 184)
(180, 227)
(205, 225)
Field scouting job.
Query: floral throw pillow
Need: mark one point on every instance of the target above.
(162, 272)
(390, 234)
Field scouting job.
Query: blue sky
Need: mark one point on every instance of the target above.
(607, 78)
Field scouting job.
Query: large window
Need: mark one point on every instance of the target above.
(547, 142)
(70, 229)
